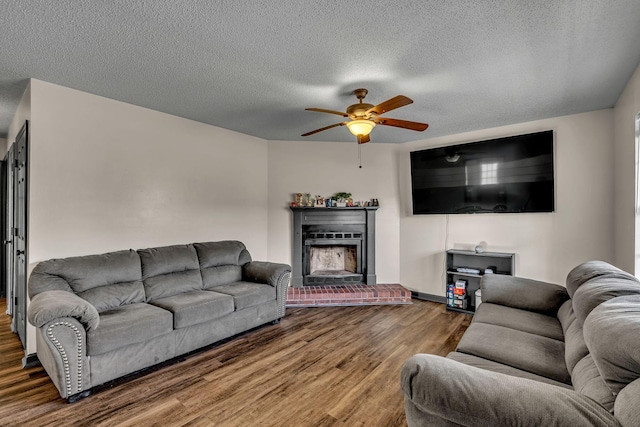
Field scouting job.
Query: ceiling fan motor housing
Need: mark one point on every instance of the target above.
(358, 110)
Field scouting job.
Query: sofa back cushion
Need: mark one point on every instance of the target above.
(627, 406)
(106, 281)
(586, 379)
(169, 270)
(596, 291)
(574, 346)
(591, 270)
(612, 333)
(221, 262)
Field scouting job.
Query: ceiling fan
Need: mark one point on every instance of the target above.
(364, 117)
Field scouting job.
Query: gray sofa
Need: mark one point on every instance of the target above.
(538, 354)
(100, 317)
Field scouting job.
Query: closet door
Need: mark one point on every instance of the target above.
(20, 173)
(8, 230)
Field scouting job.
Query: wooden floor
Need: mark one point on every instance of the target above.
(331, 366)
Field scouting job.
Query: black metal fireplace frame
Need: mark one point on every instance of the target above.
(333, 227)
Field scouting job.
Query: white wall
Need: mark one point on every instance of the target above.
(106, 176)
(547, 245)
(326, 168)
(23, 113)
(627, 238)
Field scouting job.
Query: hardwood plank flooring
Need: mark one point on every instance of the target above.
(329, 366)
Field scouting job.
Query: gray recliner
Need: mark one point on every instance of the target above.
(538, 354)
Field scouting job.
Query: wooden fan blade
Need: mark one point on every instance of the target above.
(405, 124)
(362, 139)
(322, 110)
(390, 104)
(324, 128)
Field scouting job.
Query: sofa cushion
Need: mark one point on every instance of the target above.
(191, 308)
(227, 252)
(574, 346)
(170, 270)
(596, 291)
(522, 320)
(529, 352)
(104, 298)
(448, 393)
(126, 325)
(522, 293)
(587, 380)
(627, 406)
(221, 262)
(106, 281)
(246, 294)
(221, 275)
(591, 270)
(612, 333)
(492, 366)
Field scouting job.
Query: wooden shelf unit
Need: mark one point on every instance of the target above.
(505, 263)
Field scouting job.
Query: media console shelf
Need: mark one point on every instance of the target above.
(504, 263)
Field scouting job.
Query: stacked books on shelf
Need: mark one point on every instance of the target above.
(457, 294)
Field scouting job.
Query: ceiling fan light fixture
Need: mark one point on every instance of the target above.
(360, 126)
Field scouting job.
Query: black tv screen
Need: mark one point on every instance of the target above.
(505, 175)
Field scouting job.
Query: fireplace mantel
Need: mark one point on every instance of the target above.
(334, 227)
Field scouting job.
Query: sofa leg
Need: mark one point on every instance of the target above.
(78, 396)
(275, 322)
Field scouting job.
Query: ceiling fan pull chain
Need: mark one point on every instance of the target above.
(359, 156)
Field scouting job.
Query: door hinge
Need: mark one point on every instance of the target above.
(15, 301)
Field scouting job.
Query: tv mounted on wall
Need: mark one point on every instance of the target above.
(505, 175)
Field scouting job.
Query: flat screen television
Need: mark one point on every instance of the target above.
(504, 175)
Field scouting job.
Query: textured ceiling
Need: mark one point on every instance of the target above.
(253, 66)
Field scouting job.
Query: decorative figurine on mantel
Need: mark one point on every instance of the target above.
(299, 200)
(341, 199)
(319, 202)
(309, 200)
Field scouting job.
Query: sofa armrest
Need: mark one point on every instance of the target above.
(525, 294)
(264, 272)
(276, 275)
(442, 392)
(62, 351)
(50, 305)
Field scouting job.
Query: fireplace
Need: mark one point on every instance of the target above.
(333, 246)
(333, 260)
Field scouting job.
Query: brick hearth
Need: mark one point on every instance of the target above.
(347, 295)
